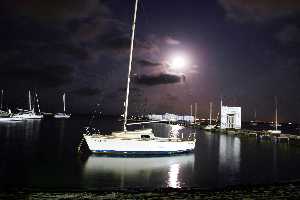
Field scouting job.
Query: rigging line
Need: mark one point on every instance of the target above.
(1, 100)
(94, 114)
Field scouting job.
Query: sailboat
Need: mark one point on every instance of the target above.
(6, 116)
(63, 115)
(3, 114)
(137, 142)
(210, 126)
(29, 114)
(254, 122)
(276, 131)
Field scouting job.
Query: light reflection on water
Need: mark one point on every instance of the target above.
(173, 176)
(142, 168)
(229, 155)
(26, 130)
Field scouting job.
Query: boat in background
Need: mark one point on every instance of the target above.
(63, 115)
(6, 116)
(137, 142)
(276, 131)
(210, 127)
(3, 114)
(254, 122)
(29, 114)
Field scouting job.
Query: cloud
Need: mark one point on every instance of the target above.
(121, 43)
(147, 63)
(157, 79)
(259, 10)
(86, 91)
(172, 97)
(134, 91)
(37, 76)
(35, 50)
(172, 41)
(108, 35)
(52, 9)
(289, 35)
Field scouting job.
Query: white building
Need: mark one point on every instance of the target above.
(171, 117)
(231, 117)
(155, 117)
(188, 118)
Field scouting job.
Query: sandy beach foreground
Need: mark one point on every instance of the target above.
(276, 191)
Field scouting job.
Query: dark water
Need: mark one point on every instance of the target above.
(42, 154)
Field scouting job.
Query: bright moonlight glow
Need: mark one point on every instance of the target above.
(178, 62)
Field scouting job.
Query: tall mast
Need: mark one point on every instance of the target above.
(191, 107)
(64, 101)
(196, 111)
(221, 113)
(37, 101)
(276, 113)
(130, 64)
(1, 100)
(210, 110)
(29, 99)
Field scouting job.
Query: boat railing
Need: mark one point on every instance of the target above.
(91, 131)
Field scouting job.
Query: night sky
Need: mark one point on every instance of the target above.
(245, 51)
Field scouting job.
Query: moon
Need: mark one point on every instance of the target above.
(178, 62)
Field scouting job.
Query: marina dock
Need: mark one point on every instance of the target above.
(263, 135)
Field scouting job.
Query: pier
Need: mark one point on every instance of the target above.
(263, 135)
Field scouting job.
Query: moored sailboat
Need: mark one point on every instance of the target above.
(6, 116)
(137, 142)
(29, 114)
(3, 114)
(63, 115)
(276, 131)
(210, 127)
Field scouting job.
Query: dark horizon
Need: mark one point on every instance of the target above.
(245, 52)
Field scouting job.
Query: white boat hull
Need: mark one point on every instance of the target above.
(274, 131)
(28, 116)
(209, 127)
(8, 119)
(62, 116)
(124, 146)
